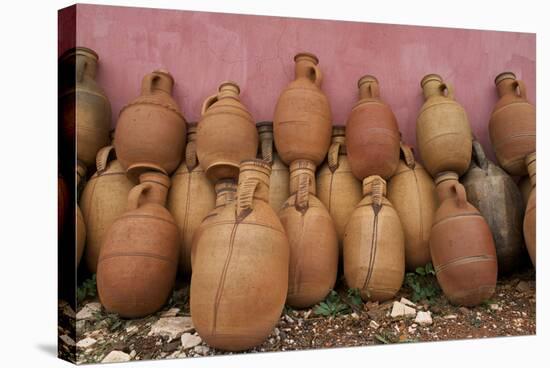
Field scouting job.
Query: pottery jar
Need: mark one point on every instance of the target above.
(150, 133)
(226, 134)
(83, 102)
(190, 199)
(372, 133)
(512, 127)
(525, 187)
(240, 267)
(411, 190)
(443, 132)
(461, 245)
(80, 224)
(302, 122)
(312, 238)
(497, 197)
(530, 220)
(103, 200)
(138, 260)
(374, 245)
(337, 188)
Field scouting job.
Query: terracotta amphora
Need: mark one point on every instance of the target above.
(512, 127)
(302, 123)
(443, 132)
(226, 134)
(530, 220)
(80, 223)
(372, 133)
(411, 190)
(374, 245)
(83, 102)
(525, 187)
(103, 200)
(337, 188)
(150, 133)
(139, 257)
(497, 197)
(312, 238)
(190, 199)
(280, 176)
(461, 244)
(240, 267)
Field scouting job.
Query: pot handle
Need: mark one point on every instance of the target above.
(302, 195)
(408, 155)
(208, 102)
(191, 155)
(479, 155)
(148, 83)
(245, 198)
(520, 87)
(135, 195)
(102, 158)
(267, 150)
(449, 89)
(460, 195)
(318, 76)
(332, 158)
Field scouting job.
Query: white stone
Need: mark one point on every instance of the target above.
(407, 302)
(423, 318)
(450, 316)
(202, 350)
(133, 354)
(131, 329)
(402, 310)
(172, 327)
(289, 319)
(190, 341)
(354, 315)
(68, 311)
(374, 324)
(172, 312)
(116, 356)
(88, 311)
(86, 343)
(495, 307)
(67, 340)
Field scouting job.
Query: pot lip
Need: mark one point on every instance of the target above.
(302, 164)
(229, 83)
(79, 50)
(504, 75)
(367, 78)
(338, 130)
(164, 72)
(444, 176)
(307, 55)
(255, 162)
(264, 124)
(429, 77)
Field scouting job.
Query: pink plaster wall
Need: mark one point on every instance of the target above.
(203, 49)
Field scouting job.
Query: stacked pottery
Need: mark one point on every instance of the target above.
(461, 245)
(374, 243)
(411, 190)
(302, 129)
(498, 199)
(512, 127)
(190, 199)
(279, 181)
(137, 263)
(80, 223)
(240, 266)
(530, 220)
(337, 188)
(150, 133)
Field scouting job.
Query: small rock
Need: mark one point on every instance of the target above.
(523, 286)
(190, 341)
(423, 318)
(68, 311)
(402, 310)
(172, 312)
(464, 310)
(116, 356)
(131, 329)
(276, 331)
(450, 316)
(371, 305)
(374, 324)
(202, 350)
(172, 327)
(289, 319)
(67, 340)
(407, 302)
(494, 307)
(88, 311)
(307, 314)
(133, 354)
(354, 315)
(86, 343)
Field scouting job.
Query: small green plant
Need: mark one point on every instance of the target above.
(332, 306)
(354, 296)
(88, 288)
(423, 283)
(288, 310)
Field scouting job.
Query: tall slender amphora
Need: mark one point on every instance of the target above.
(497, 197)
(103, 200)
(372, 133)
(512, 127)
(530, 220)
(302, 123)
(411, 190)
(226, 134)
(443, 132)
(150, 133)
(461, 244)
(337, 188)
(139, 257)
(190, 199)
(83, 102)
(312, 238)
(279, 181)
(374, 245)
(240, 267)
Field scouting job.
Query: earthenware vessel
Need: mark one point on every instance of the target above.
(530, 220)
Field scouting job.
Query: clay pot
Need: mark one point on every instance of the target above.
(80, 235)
(312, 238)
(530, 220)
(226, 134)
(150, 133)
(103, 200)
(138, 260)
(411, 190)
(337, 188)
(302, 123)
(240, 267)
(372, 133)
(497, 197)
(525, 187)
(443, 132)
(461, 244)
(82, 100)
(512, 127)
(374, 245)
(190, 199)
(279, 180)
